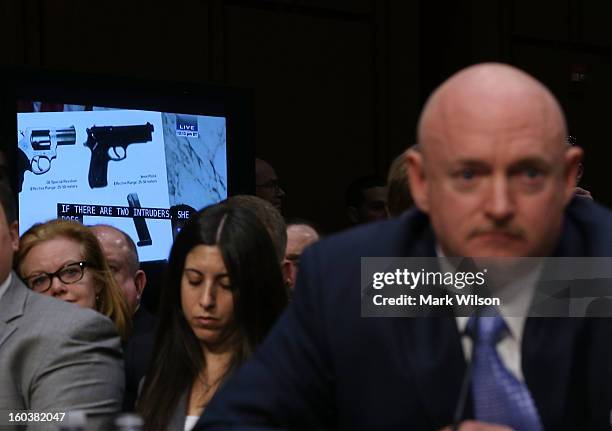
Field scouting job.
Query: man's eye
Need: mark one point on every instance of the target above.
(468, 174)
(532, 173)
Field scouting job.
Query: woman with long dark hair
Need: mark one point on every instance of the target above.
(224, 291)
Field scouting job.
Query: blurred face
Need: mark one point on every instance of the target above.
(117, 252)
(9, 241)
(206, 297)
(54, 255)
(267, 186)
(495, 179)
(299, 236)
(374, 206)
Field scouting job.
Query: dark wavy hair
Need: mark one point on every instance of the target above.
(259, 298)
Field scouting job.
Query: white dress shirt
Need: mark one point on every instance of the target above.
(515, 300)
(190, 422)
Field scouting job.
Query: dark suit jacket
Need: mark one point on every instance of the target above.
(138, 352)
(323, 366)
(56, 356)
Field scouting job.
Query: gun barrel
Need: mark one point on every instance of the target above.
(66, 136)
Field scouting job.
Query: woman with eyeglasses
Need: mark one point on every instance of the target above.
(224, 291)
(63, 259)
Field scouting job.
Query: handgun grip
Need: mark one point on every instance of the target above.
(98, 168)
(23, 164)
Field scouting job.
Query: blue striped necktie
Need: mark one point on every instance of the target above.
(499, 397)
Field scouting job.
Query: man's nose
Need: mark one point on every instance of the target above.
(499, 204)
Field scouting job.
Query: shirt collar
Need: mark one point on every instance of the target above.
(515, 298)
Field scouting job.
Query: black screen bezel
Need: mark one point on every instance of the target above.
(133, 93)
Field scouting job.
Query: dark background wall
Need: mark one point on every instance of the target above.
(338, 84)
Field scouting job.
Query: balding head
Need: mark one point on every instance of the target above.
(299, 236)
(484, 94)
(122, 256)
(494, 173)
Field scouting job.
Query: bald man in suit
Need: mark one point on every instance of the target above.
(493, 178)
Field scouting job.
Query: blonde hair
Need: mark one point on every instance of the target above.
(111, 301)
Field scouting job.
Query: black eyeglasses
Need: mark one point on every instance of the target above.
(68, 274)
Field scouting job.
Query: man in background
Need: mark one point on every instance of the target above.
(122, 257)
(267, 186)
(366, 200)
(300, 234)
(571, 140)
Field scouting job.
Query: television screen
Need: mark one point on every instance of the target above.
(141, 171)
(138, 156)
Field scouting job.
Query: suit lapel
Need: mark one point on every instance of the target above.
(438, 366)
(12, 306)
(552, 346)
(5, 332)
(433, 344)
(548, 355)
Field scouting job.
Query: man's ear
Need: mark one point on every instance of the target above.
(573, 157)
(417, 179)
(14, 233)
(140, 280)
(288, 275)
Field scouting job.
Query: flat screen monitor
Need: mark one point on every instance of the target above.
(139, 155)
